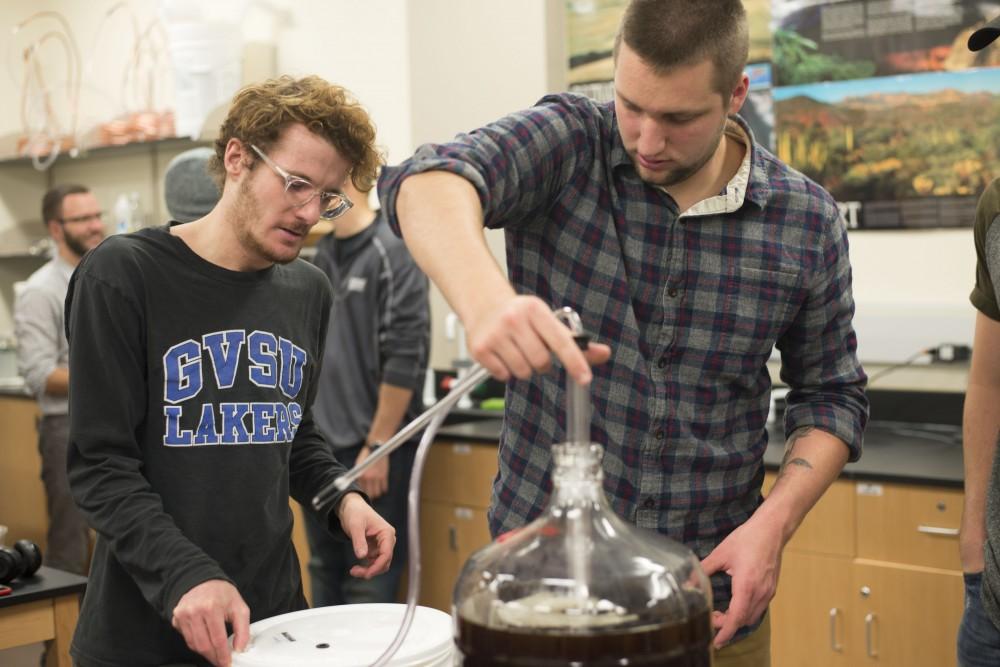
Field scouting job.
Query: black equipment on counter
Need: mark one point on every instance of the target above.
(21, 561)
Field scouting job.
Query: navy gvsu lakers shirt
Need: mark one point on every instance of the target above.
(190, 397)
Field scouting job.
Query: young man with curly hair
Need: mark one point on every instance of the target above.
(194, 358)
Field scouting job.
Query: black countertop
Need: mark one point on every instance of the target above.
(45, 584)
(893, 451)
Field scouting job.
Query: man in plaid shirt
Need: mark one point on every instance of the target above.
(690, 252)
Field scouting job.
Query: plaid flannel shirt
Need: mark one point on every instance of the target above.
(691, 304)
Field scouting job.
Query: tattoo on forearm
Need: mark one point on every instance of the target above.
(797, 462)
(787, 460)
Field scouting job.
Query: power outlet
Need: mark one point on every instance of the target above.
(950, 353)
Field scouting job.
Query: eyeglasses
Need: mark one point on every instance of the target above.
(81, 218)
(300, 192)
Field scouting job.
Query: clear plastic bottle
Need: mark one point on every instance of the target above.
(136, 215)
(123, 214)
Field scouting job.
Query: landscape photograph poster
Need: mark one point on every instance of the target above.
(908, 151)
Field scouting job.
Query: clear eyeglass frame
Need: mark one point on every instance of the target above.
(300, 191)
(98, 216)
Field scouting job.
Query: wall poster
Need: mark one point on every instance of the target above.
(879, 101)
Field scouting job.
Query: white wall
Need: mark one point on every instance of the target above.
(427, 69)
(470, 63)
(912, 291)
(363, 46)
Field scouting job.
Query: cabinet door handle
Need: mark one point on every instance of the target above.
(453, 538)
(937, 530)
(834, 644)
(869, 631)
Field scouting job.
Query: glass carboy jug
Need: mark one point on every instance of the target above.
(579, 586)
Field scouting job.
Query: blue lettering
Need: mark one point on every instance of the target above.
(263, 352)
(173, 436)
(206, 433)
(294, 417)
(182, 371)
(263, 416)
(293, 360)
(224, 348)
(234, 431)
(269, 423)
(284, 433)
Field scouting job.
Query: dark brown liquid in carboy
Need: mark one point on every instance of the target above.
(684, 644)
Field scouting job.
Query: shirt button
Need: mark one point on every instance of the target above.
(662, 362)
(660, 434)
(649, 503)
(672, 291)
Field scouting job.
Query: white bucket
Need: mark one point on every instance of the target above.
(207, 60)
(353, 635)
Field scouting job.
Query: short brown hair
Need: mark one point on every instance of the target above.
(672, 33)
(261, 111)
(52, 200)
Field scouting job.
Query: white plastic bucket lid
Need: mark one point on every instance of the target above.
(352, 635)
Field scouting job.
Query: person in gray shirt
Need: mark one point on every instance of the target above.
(73, 219)
(373, 368)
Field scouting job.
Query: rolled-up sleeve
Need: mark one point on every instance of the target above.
(38, 325)
(819, 351)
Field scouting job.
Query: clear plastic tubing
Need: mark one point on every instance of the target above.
(577, 430)
(432, 419)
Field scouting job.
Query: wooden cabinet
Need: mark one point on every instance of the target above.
(809, 615)
(22, 495)
(886, 591)
(449, 534)
(906, 616)
(829, 526)
(455, 494)
(907, 524)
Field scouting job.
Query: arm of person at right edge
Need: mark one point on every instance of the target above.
(981, 412)
(980, 428)
(108, 395)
